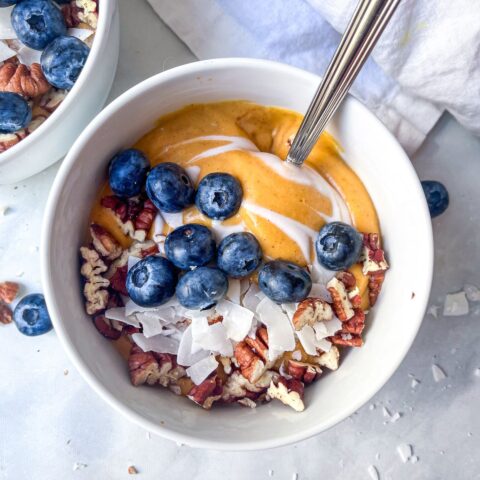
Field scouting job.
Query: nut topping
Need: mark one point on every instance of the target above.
(305, 372)
(5, 314)
(22, 80)
(208, 392)
(347, 339)
(104, 243)
(8, 291)
(375, 282)
(342, 306)
(251, 365)
(108, 328)
(310, 311)
(329, 359)
(289, 392)
(373, 256)
(95, 285)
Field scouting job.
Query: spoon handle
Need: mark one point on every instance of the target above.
(365, 28)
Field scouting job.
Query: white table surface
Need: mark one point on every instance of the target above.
(53, 426)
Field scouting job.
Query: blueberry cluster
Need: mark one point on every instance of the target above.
(40, 25)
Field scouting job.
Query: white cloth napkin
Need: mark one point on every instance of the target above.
(427, 61)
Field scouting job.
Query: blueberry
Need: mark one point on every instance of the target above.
(239, 254)
(127, 172)
(170, 188)
(437, 197)
(7, 3)
(151, 282)
(202, 288)
(190, 245)
(37, 23)
(338, 246)
(219, 196)
(31, 315)
(63, 60)
(284, 282)
(15, 112)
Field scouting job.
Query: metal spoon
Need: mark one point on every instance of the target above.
(365, 28)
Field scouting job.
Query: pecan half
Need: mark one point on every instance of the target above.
(143, 367)
(375, 282)
(104, 242)
(289, 392)
(342, 306)
(5, 314)
(22, 80)
(95, 286)
(108, 328)
(8, 291)
(259, 344)
(208, 392)
(310, 311)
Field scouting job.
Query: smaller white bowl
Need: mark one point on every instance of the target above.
(51, 140)
(392, 325)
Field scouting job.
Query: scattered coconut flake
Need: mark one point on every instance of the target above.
(414, 459)
(386, 413)
(6, 30)
(438, 373)
(476, 372)
(148, 435)
(118, 313)
(174, 220)
(6, 52)
(270, 473)
(295, 476)
(80, 33)
(3, 210)
(158, 343)
(396, 416)
(279, 328)
(433, 310)
(319, 290)
(79, 466)
(27, 55)
(199, 371)
(158, 225)
(297, 355)
(237, 320)
(233, 292)
(456, 304)
(185, 356)
(372, 407)
(193, 172)
(373, 472)
(211, 337)
(414, 382)
(405, 451)
(472, 292)
(377, 456)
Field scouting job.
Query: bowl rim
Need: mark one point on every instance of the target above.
(105, 15)
(202, 67)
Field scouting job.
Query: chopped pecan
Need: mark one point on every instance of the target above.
(51, 100)
(251, 365)
(342, 306)
(247, 402)
(108, 328)
(22, 80)
(356, 324)
(375, 282)
(237, 386)
(146, 216)
(259, 344)
(70, 14)
(311, 311)
(8, 291)
(104, 242)
(143, 367)
(348, 279)
(5, 314)
(119, 280)
(347, 339)
(289, 392)
(114, 300)
(305, 372)
(95, 286)
(373, 257)
(208, 392)
(88, 12)
(329, 359)
(8, 140)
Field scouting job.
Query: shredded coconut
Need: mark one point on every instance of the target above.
(373, 472)
(405, 451)
(438, 373)
(455, 305)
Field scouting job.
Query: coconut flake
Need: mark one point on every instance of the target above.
(211, 337)
(250, 300)
(158, 225)
(27, 55)
(174, 220)
(118, 313)
(373, 472)
(472, 292)
(233, 292)
(438, 373)
(405, 451)
(237, 320)
(193, 172)
(307, 338)
(456, 304)
(280, 330)
(297, 355)
(6, 52)
(151, 326)
(290, 309)
(80, 33)
(319, 290)
(185, 356)
(158, 343)
(327, 329)
(199, 371)
(131, 307)
(6, 30)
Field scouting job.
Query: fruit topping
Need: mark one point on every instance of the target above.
(15, 112)
(202, 288)
(284, 282)
(31, 315)
(190, 245)
(219, 196)
(127, 172)
(151, 282)
(338, 246)
(239, 254)
(437, 197)
(169, 187)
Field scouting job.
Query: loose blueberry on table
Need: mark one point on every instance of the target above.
(437, 197)
(31, 315)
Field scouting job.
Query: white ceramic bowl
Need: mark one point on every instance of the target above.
(369, 149)
(49, 142)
